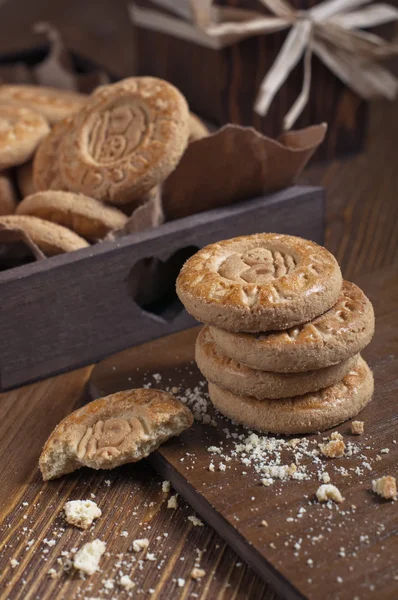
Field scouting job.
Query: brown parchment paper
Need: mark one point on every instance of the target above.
(235, 164)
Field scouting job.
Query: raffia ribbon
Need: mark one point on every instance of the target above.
(326, 30)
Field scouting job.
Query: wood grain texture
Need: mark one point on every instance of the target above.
(235, 503)
(55, 328)
(131, 498)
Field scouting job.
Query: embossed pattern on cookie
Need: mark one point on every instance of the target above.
(259, 282)
(126, 140)
(339, 333)
(111, 431)
(310, 413)
(230, 374)
(21, 130)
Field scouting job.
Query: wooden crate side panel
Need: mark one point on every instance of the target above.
(57, 318)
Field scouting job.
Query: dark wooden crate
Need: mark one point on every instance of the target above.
(77, 308)
(221, 85)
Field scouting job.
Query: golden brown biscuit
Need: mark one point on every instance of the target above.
(126, 140)
(50, 238)
(244, 381)
(341, 332)
(259, 282)
(45, 163)
(54, 104)
(25, 182)
(120, 428)
(21, 130)
(8, 197)
(310, 413)
(87, 217)
(197, 129)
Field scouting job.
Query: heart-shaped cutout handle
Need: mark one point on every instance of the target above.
(151, 284)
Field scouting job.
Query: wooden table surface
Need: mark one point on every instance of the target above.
(362, 232)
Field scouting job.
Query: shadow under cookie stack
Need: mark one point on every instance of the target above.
(280, 348)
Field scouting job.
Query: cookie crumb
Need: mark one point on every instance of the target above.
(195, 521)
(386, 487)
(357, 427)
(180, 582)
(52, 573)
(172, 502)
(81, 513)
(333, 449)
(126, 583)
(329, 492)
(141, 544)
(87, 559)
(264, 523)
(197, 573)
(14, 563)
(166, 486)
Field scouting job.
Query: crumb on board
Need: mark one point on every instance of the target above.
(195, 521)
(81, 513)
(197, 573)
(87, 559)
(333, 449)
(386, 487)
(166, 486)
(172, 502)
(327, 492)
(180, 582)
(357, 427)
(264, 523)
(140, 544)
(126, 583)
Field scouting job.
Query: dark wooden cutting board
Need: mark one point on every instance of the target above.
(307, 550)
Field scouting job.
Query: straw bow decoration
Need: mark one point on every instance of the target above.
(328, 30)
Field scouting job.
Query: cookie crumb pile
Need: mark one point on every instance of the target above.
(283, 335)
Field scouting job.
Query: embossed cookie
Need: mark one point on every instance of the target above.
(50, 238)
(25, 182)
(242, 380)
(341, 332)
(259, 282)
(87, 217)
(118, 429)
(45, 163)
(52, 103)
(197, 129)
(21, 130)
(126, 140)
(8, 197)
(309, 413)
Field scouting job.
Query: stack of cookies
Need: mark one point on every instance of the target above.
(283, 333)
(85, 163)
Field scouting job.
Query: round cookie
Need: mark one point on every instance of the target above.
(21, 130)
(244, 381)
(8, 197)
(259, 282)
(54, 104)
(341, 332)
(197, 129)
(52, 239)
(45, 163)
(310, 413)
(25, 181)
(126, 140)
(87, 217)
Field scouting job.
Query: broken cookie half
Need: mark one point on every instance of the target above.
(111, 431)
